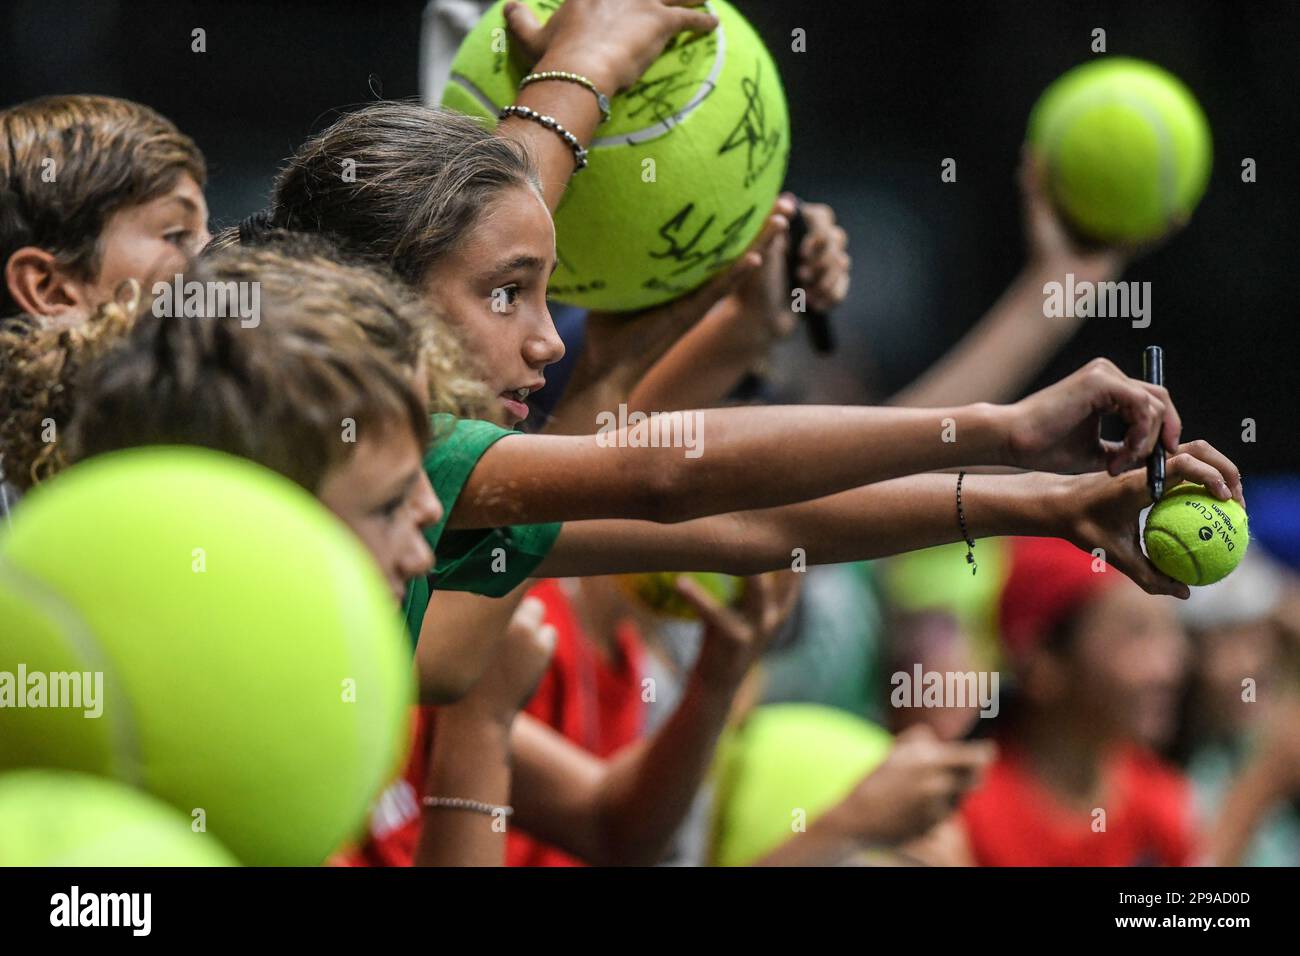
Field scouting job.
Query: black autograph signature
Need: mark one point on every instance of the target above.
(690, 249)
(751, 131)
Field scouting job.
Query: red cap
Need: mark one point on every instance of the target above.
(1048, 581)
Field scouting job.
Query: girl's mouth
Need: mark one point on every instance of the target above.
(514, 401)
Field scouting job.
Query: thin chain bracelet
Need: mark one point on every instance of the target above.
(551, 123)
(602, 100)
(461, 803)
(961, 521)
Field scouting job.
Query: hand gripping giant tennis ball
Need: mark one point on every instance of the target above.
(657, 590)
(58, 818)
(250, 661)
(1194, 537)
(1126, 148)
(681, 177)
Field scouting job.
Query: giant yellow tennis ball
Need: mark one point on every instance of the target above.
(681, 177)
(1126, 148)
(781, 769)
(202, 629)
(1194, 537)
(657, 590)
(59, 818)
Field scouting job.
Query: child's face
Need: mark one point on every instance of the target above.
(492, 287)
(383, 494)
(1127, 664)
(150, 242)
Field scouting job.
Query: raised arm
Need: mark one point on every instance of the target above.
(1014, 340)
(470, 750)
(611, 42)
(623, 811)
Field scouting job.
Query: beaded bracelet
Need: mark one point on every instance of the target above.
(601, 99)
(961, 521)
(461, 803)
(551, 123)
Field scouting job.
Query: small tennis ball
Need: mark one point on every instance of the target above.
(681, 177)
(1194, 537)
(58, 818)
(1126, 147)
(217, 639)
(657, 590)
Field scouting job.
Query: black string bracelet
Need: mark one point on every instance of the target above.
(961, 521)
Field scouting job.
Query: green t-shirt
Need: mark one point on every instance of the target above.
(468, 558)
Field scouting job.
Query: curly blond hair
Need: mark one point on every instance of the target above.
(40, 370)
(332, 342)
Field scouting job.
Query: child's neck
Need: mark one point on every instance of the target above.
(1065, 756)
(599, 617)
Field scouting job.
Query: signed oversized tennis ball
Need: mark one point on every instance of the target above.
(679, 179)
(200, 628)
(1194, 537)
(657, 590)
(59, 818)
(1126, 148)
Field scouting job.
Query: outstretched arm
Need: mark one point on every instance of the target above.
(748, 458)
(1092, 511)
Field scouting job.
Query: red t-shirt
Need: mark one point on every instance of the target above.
(591, 700)
(1013, 820)
(592, 703)
(394, 828)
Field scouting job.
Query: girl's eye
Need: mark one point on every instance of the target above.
(180, 239)
(389, 508)
(504, 296)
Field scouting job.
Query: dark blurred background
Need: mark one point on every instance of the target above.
(884, 92)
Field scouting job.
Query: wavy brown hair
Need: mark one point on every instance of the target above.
(397, 183)
(105, 154)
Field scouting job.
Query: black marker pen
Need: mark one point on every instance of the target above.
(1153, 371)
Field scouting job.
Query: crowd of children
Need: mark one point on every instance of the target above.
(411, 299)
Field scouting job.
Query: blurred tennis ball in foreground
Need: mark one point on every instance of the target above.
(58, 818)
(1126, 149)
(232, 647)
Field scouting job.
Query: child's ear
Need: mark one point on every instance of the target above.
(41, 287)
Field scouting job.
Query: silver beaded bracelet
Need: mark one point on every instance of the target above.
(474, 806)
(601, 99)
(551, 123)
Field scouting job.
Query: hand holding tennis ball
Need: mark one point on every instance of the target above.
(609, 42)
(1100, 513)
(735, 637)
(681, 176)
(1126, 148)
(657, 590)
(1194, 537)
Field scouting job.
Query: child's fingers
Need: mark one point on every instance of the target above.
(525, 29)
(716, 616)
